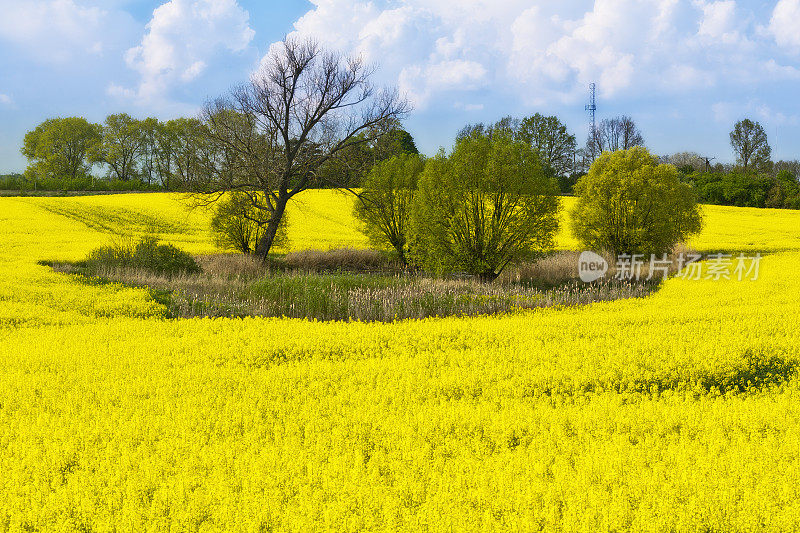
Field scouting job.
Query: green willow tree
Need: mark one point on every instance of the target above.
(384, 204)
(237, 225)
(483, 206)
(628, 203)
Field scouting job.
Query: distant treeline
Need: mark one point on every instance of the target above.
(128, 154)
(18, 182)
(765, 184)
(125, 153)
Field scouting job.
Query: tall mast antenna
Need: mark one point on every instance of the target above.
(591, 107)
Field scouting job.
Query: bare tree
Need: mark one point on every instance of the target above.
(630, 135)
(305, 107)
(749, 141)
(687, 161)
(619, 133)
(793, 167)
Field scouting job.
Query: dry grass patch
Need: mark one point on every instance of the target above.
(561, 267)
(341, 259)
(234, 266)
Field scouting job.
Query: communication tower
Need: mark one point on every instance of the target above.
(591, 107)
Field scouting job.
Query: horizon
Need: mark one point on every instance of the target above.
(686, 71)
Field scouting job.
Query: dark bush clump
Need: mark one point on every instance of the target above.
(147, 254)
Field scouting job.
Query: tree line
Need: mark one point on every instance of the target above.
(127, 149)
(753, 181)
(130, 153)
(173, 155)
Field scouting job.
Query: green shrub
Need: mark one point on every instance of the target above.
(384, 205)
(747, 189)
(147, 254)
(483, 206)
(628, 203)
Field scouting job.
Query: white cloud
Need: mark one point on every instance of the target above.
(455, 73)
(594, 49)
(625, 46)
(540, 51)
(689, 76)
(426, 47)
(730, 112)
(182, 37)
(773, 117)
(421, 82)
(194, 70)
(60, 31)
(725, 112)
(719, 21)
(468, 107)
(5, 99)
(119, 91)
(784, 24)
(781, 72)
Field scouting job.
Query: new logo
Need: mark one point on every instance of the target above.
(591, 267)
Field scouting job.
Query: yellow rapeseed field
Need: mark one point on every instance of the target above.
(677, 412)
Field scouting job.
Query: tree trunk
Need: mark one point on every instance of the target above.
(488, 276)
(401, 254)
(266, 240)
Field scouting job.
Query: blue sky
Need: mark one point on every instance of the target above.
(685, 70)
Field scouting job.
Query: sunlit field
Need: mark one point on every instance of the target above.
(675, 412)
(322, 219)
